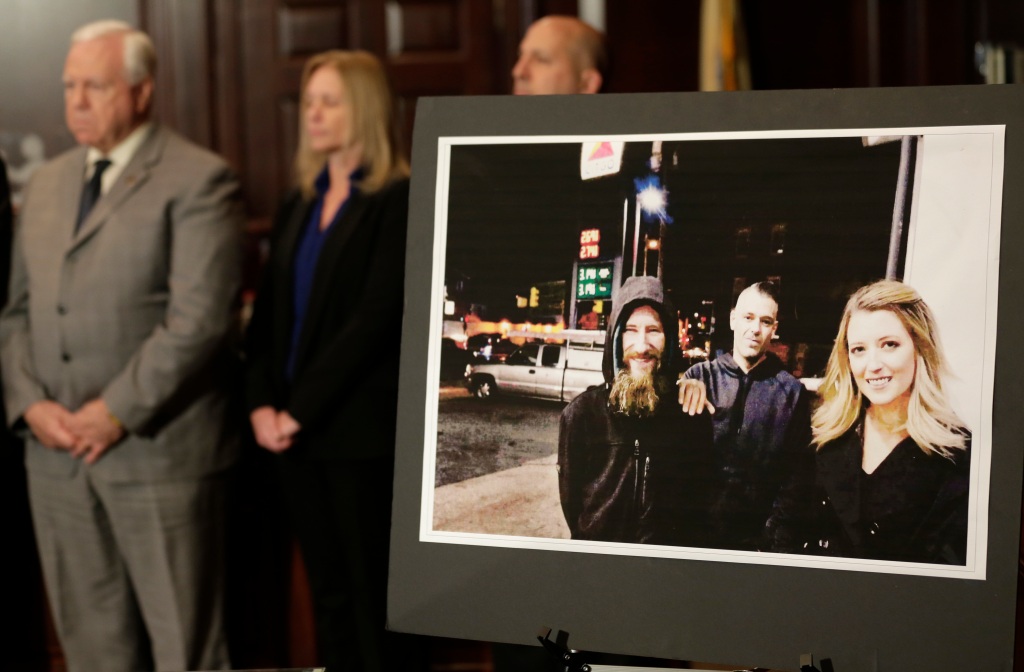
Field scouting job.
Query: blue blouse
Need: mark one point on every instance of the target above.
(307, 252)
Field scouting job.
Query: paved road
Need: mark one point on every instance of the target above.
(478, 437)
(496, 467)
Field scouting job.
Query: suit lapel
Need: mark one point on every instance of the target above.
(135, 174)
(339, 236)
(292, 230)
(69, 193)
(329, 258)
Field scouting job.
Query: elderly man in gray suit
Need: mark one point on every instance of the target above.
(114, 350)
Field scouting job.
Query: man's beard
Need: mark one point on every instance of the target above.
(636, 395)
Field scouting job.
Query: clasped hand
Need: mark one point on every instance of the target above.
(274, 430)
(87, 433)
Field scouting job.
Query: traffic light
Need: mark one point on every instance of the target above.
(534, 297)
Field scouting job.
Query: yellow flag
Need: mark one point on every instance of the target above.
(724, 63)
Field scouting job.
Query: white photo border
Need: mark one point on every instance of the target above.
(987, 256)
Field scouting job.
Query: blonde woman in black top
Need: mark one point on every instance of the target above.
(893, 458)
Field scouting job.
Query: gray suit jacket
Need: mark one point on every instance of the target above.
(136, 307)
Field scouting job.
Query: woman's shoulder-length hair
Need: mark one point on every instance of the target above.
(931, 421)
(373, 121)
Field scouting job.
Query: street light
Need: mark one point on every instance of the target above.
(652, 199)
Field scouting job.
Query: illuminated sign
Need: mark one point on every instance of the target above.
(594, 281)
(599, 158)
(590, 240)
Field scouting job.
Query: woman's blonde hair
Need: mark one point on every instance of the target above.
(931, 421)
(373, 121)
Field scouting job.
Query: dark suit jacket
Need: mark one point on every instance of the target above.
(345, 387)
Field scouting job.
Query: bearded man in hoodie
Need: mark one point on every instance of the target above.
(633, 467)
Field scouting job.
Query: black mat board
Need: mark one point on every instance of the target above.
(696, 610)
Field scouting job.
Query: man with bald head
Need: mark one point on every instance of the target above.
(125, 272)
(762, 433)
(559, 55)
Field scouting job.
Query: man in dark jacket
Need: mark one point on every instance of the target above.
(632, 466)
(762, 434)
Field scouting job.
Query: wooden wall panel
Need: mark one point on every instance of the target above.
(423, 26)
(226, 98)
(303, 31)
(180, 31)
(263, 168)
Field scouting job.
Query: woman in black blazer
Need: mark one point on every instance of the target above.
(893, 458)
(323, 343)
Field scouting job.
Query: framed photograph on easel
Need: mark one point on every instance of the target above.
(821, 192)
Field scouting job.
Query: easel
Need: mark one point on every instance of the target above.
(570, 660)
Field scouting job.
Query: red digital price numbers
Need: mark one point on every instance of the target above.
(590, 240)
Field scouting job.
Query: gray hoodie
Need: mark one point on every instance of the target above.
(639, 291)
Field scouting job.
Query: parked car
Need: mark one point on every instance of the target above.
(454, 361)
(559, 371)
(490, 347)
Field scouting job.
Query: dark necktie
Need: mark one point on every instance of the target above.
(91, 191)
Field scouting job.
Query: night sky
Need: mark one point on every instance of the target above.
(515, 213)
(514, 217)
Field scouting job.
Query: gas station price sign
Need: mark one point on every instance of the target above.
(590, 243)
(594, 281)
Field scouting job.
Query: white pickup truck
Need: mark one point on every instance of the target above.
(558, 371)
